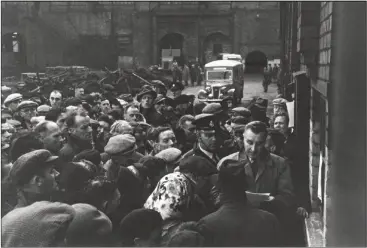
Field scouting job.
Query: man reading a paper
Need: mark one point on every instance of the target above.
(265, 172)
(268, 175)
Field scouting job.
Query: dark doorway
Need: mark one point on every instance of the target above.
(214, 44)
(169, 45)
(255, 62)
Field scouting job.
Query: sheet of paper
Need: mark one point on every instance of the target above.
(290, 108)
(257, 197)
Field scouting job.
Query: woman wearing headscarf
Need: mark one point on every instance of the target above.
(176, 196)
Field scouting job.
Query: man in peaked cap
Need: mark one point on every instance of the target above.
(12, 102)
(221, 116)
(34, 176)
(177, 89)
(206, 145)
(160, 87)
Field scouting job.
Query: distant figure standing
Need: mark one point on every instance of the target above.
(186, 75)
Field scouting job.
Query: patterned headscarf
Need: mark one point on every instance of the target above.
(172, 196)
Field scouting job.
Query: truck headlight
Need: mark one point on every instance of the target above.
(210, 96)
(202, 94)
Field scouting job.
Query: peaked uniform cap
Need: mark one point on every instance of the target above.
(204, 122)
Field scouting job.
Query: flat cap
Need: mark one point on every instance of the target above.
(43, 108)
(13, 97)
(126, 97)
(27, 104)
(197, 165)
(121, 127)
(29, 164)
(280, 101)
(177, 86)
(232, 175)
(108, 87)
(5, 89)
(121, 143)
(145, 91)
(5, 113)
(73, 102)
(204, 122)
(14, 123)
(213, 108)
(88, 223)
(242, 111)
(170, 155)
(42, 224)
(240, 120)
(261, 102)
(6, 127)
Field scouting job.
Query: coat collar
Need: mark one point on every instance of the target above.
(264, 161)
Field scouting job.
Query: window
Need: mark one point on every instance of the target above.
(219, 75)
(217, 48)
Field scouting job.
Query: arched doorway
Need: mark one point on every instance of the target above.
(214, 44)
(255, 62)
(170, 49)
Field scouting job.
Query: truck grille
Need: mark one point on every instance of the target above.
(216, 92)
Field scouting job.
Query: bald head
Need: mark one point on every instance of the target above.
(50, 134)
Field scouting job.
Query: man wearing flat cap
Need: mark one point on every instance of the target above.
(25, 111)
(34, 176)
(12, 102)
(122, 150)
(206, 145)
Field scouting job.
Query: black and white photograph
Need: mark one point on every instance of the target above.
(183, 124)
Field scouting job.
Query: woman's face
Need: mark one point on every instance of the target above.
(147, 101)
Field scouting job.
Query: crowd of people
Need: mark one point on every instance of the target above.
(148, 170)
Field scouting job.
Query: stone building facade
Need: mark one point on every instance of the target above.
(96, 33)
(314, 34)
